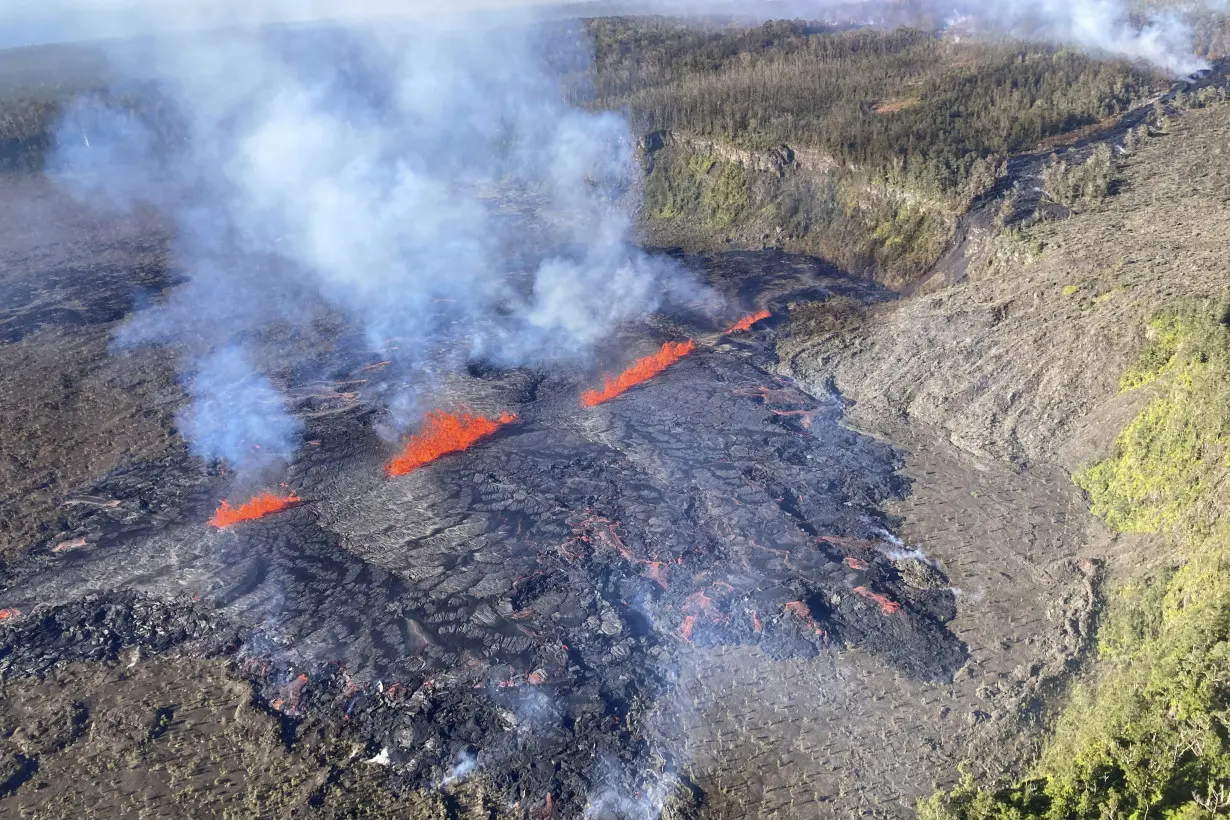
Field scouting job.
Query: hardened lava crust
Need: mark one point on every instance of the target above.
(515, 610)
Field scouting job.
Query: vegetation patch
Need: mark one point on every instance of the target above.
(903, 104)
(1083, 185)
(862, 226)
(1150, 736)
(1168, 459)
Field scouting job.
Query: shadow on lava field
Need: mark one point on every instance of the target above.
(512, 615)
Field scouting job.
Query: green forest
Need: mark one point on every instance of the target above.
(863, 146)
(906, 105)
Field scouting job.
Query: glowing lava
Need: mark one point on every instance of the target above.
(443, 433)
(261, 505)
(747, 321)
(802, 611)
(641, 370)
(887, 605)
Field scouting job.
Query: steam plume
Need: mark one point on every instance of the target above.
(1158, 34)
(1163, 38)
(370, 172)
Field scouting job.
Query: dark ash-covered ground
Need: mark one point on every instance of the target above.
(511, 614)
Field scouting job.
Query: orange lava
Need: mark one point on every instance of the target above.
(805, 416)
(260, 506)
(443, 433)
(799, 609)
(887, 605)
(747, 321)
(855, 563)
(802, 611)
(67, 546)
(702, 604)
(641, 370)
(294, 691)
(689, 623)
(657, 573)
(9, 613)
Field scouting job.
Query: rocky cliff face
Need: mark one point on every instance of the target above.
(708, 195)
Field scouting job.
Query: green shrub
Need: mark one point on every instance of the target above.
(1149, 737)
(1166, 461)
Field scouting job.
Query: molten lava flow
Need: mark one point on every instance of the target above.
(887, 605)
(657, 573)
(685, 630)
(799, 609)
(294, 691)
(856, 563)
(444, 433)
(67, 546)
(641, 370)
(9, 613)
(260, 506)
(802, 611)
(747, 321)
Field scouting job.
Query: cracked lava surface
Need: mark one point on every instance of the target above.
(521, 603)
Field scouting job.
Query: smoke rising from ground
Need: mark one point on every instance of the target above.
(236, 407)
(1157, 33)
(383, 174)
(371, 170)
(1162, 39)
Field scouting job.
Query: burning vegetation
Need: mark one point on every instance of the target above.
(443, 433)
(261, 505)
(747, 321)
(641, 370)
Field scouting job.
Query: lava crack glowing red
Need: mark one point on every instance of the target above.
(261, 505)
(443, 433)
(641, 370)
(747, 321)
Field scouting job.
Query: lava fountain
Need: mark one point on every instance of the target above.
(443, 433)
(641, 370)
(747, 321)
(258, 507)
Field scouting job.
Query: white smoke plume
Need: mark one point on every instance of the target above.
(371, 171)
(1162, 39)
(1157, 33)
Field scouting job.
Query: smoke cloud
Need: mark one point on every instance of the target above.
(1158, 33)
(430, 184)
(1163, 39)
(237, 415)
